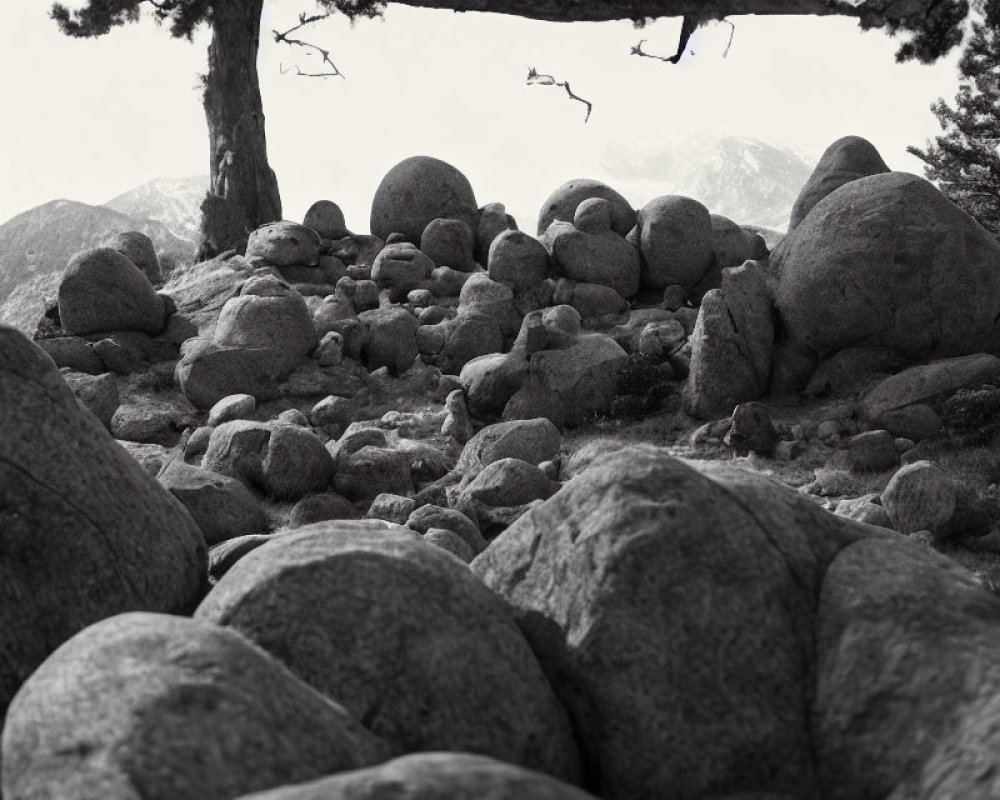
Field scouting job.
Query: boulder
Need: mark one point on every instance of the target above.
(96, 393)
(591, 300)
(449, 243)
(401, 268)
(166, 708)
(731, 347)
(846, 160)
(230, 407)
(221, 506)
(451, 344)
(571, 384)
(509, 482)
(672, 609)
(885, 262)
(490, 381)
(326, 218)
(921, 497)
(675, 240)
(518, 260)
(261, 337)
(493, 220)
(267, 315)
(482, 295)
(367, 472)
(530, 440)
(138, 248)
(907, 677)
(389, 339)
(928, 383)
(871, 451)
(561, 205)
(87, 532)
(284, 244)
(73, 352)
(600, 256)
(102, 290)
(421, 776)
(285, 461)
(442, 665)
(417, 190)
(429, 517)
(320, 508)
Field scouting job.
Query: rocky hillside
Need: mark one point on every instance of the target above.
(629, 509)
(175, 202)
(745, 179)
(35, 247)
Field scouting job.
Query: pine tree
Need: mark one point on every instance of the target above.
(965, 160)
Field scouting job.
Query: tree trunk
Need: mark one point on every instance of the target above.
(243, 193)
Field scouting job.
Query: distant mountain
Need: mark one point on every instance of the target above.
(747, 180)
(176, 202)
(35, 247)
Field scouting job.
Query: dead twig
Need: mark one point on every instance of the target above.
(688, 26)
(324, 54)
(534, 78)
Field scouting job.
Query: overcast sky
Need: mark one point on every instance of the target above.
(89, 119)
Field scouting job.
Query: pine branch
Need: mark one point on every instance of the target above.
(285, 38)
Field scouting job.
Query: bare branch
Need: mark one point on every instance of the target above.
(534, 78)
(732, 33)
(638, 51)
(324, 54)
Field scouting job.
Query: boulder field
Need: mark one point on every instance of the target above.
(629, 508)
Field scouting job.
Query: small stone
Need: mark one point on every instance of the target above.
(326, 218)
(331, 350)
(752, 430)
(902, 445)
(674, 297)
(234, 406)
(920, 496)
(392, 508)
(451, 542)
(871, 451)
(293, 416)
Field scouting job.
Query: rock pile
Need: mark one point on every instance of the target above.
(407, 534)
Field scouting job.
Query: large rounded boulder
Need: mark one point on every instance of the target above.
(672, 609)
(102, 290)
(405, 636)
(846, 160)
(885, 261)
(675, 240)
(418, 190)
(156, 707)
(86, 532)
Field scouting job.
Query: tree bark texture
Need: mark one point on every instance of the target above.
(243, 193)
(873, 12)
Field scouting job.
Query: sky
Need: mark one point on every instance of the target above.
(89, 119)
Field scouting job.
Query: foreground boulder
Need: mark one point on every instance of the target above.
(673, 612)
(908, 648)
(154, 707)
(87, 532)
(884, 261)
(456, 776)
(418, 190)
(442, 665)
